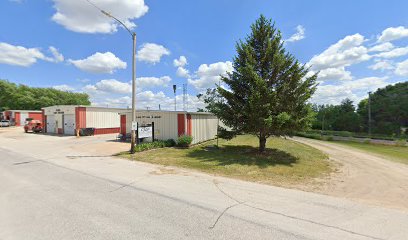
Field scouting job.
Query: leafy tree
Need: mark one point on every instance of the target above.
(268, 91)
(389, 109)
(22, 97)
(341, 117)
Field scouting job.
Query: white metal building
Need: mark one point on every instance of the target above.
(66, 119)
(171, 124)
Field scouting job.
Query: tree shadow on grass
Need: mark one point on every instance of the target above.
(243, 155)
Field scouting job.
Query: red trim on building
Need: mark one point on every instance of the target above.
(106, 130)
(181, 124)
(17, 118)
(7, 115)
(44, 120)
(80, 117)
(35, 116)
(189, 125)
(123, 124)
(60, 131)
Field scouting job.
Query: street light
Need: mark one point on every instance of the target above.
(133, 34)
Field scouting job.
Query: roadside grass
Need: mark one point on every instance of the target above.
(284, 163)
(393, 153)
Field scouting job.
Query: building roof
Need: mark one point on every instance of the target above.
(24, 111)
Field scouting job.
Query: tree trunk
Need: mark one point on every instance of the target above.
(262, 143)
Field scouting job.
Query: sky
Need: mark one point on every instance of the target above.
(356, 46)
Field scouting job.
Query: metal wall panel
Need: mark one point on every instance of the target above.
(102, 118)
(165, 123)
(203, 127)
(23, 117)
(69, 124)
(51, 124)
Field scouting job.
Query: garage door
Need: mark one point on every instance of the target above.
(69, 124)
(51, 124)
(23, 117)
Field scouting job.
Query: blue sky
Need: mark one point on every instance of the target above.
(357, 46)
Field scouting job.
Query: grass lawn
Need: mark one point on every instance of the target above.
(285, 161)
(394, 153)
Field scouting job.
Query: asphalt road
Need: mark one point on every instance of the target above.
(51, 190)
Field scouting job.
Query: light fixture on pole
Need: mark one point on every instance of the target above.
(133, 34)
(175, 100)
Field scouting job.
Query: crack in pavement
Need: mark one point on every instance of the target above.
(313, 222)
(222, 213)
(26, 162)
(227, 208)
(128, 185)
(281, 214)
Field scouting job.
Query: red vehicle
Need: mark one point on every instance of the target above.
(34, 126)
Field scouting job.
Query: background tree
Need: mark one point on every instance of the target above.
(267, 93)
(389, 109)
(21, 97)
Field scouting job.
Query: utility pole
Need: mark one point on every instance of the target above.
(369, 114)
(133, 34)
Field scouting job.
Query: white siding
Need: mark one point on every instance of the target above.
(165, 123)
(102, 118)
(203, 127)
(69, 124)
(51, 124)
(23, 117)
(65, 109)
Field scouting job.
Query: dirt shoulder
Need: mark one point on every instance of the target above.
(363, 176)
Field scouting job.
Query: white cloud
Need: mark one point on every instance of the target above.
(345, 52)
(151, 53)
(208, 75)
(402, 68)
(182, 72)
(354, 90)
(80, 16)
(113, 86)
(396, 52)
(144, 82)
(63, 87)
(110, 86)
(393, 33)
(299, 35)
(19, 56)
(99, 63)
(333, 74)
(58, 57)
(181, 62)
(382, 65)
(151, 100)
(382, 47)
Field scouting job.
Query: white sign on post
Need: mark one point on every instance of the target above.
(134, 126)
(145, 132)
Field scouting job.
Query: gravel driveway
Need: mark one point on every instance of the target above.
(363, 176)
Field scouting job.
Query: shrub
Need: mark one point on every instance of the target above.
(401, 142)
(330, 138)
(184, 140)
(152, 145)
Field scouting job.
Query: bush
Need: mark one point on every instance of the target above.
(309, 135)
(401, 142)
(184, 141)
(152, 145)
